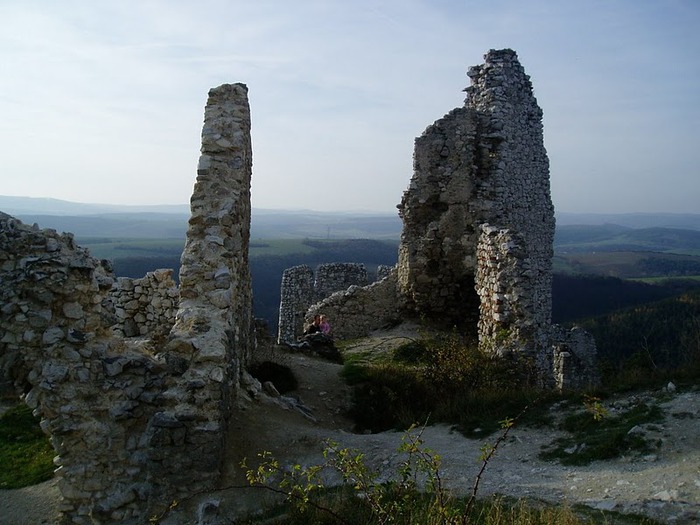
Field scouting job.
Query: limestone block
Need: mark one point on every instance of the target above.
(52, 336)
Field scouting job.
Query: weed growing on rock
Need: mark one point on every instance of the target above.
(596, 435)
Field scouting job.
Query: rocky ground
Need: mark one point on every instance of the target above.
(664, 485)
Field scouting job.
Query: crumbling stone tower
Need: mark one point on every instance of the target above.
(477, 243)
(478, 231)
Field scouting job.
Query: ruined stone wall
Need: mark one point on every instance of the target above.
(137, 422)
(384, 270)
(331, 277)
(357, 310)
(574, 357)
(484, 163)
(213, 334)
(145, 306)
(437, 258)
(94, 394)
(300, 289)
(478, 225)
(296, 294)
(515, 192)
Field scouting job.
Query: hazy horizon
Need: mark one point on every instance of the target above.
(103, 101)
(185, 208)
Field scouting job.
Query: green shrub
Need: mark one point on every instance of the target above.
(416, 493)
(440, 379)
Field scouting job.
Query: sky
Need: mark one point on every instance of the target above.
(103, 101)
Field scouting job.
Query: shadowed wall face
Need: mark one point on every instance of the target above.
(480, 165)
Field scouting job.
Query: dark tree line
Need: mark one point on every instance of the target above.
(621, 314)
(266, 270)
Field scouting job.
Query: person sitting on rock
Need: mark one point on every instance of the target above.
(325, 327)
(315, 326)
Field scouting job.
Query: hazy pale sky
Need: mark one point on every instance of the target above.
(103, 101)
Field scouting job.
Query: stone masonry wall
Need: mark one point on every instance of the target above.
(483, 164)
(515, 192)
(357, 310)
(478, 226)
(94, 393)
(137, 422)
(437, 258)
(300, 289)
(213, 335)
(296, 294)
(145, 306)
(331, 277)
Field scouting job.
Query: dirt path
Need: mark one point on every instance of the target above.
(664, 486)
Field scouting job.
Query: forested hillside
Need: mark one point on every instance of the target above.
(650, 338)
(268, 260)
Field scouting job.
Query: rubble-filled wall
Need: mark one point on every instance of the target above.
(296, 294)
(384, 270)
(213, 334)
(574, 359)
(300, 289)
(517, 189)
(437, 258)
(331, 277)
(478, 226)
(94, 393)
(137, 422)
(357, 310)
(484, 163)
(145, 306)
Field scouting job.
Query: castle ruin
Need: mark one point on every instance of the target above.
(135, 381)
(301, 288)
(478, 229)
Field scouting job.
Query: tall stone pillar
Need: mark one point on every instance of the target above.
(213, 333)
(513, 198)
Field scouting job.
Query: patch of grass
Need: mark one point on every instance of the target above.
(593, 440)
(411, 353)
(442, 379)
(26, 456)
(387, 396)
(477, 414)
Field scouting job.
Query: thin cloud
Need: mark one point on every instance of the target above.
(114, 92)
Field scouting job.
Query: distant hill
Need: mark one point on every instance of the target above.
(616, 238)
(17, 206)
(87, 221)
(574, 231)
(686, 221)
